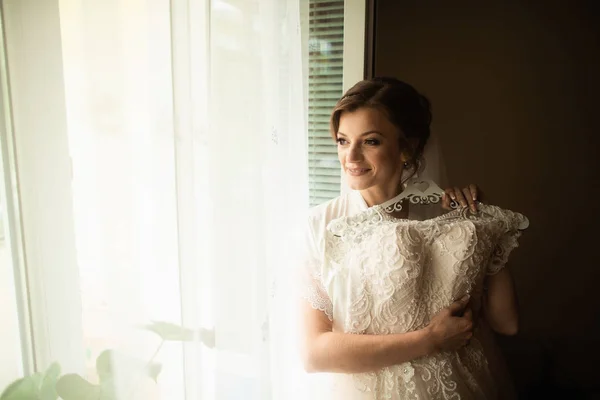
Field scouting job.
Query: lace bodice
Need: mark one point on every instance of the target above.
(382, 275)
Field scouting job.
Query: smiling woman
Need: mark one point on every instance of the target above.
(393, 300)
(381, 126)
(370, 154)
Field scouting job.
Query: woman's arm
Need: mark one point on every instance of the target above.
(328, 351)
(500, 303)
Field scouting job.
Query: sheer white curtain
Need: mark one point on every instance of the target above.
(186, 133)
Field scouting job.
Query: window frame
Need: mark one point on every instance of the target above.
(353, 70)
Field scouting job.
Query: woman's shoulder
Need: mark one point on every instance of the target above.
(346, 204)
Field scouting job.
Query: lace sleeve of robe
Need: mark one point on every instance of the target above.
(310, 276)
(513, 224)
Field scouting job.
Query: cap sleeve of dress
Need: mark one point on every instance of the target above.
(310, 276)
(512, 225)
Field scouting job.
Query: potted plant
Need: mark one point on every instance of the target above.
(51, 385)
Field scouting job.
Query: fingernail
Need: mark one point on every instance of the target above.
(453, 197)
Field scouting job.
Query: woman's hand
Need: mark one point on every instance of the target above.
(452, 327)
(467, 197)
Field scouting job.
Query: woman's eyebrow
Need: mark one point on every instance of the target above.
(363, 134)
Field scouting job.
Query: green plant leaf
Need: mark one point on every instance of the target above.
(27, 388)
(111, 362)
(74, 387)
(172, 332)
(21, 389)
(153, 370)
(104, 365)
(38, 386)
(37, 380)
(48, 384)
(207, 336)
(10, 389)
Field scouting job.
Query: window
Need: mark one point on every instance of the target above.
(334, 62)
(158, 205)
(325, 87)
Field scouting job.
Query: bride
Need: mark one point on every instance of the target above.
(377, 315)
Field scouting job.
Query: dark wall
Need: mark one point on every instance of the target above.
(515, 88)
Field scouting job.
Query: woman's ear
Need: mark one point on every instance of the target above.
(404, 157)
(408, 153)
(407, 149)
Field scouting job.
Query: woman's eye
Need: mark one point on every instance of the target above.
(372, 142)
(341, 141)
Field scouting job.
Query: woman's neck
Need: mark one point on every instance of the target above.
(375, 196)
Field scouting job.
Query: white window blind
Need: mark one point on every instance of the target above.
(325, 59)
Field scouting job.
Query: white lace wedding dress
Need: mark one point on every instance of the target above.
(374, 274)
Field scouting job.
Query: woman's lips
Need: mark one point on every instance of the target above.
(357, 171)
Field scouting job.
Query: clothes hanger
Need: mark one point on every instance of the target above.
(417, 191)
(425, 192)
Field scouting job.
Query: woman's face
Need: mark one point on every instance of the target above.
(369, 151)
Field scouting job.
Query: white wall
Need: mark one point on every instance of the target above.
(354, 42)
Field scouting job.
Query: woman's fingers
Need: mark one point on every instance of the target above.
(460, 197)
(448, 198)
(458, 305)
(467, 197)
(468, 314)
(470, 198)
(446, 201)
(474, 191)
(468, 339)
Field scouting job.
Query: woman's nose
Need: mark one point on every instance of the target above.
(355, 154)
